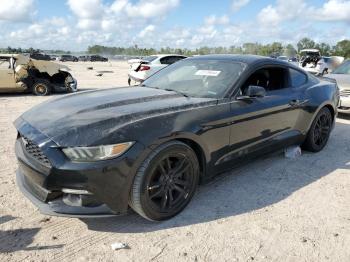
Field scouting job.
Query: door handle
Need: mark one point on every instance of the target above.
(294, 102)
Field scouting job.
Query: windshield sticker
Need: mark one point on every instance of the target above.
(207, 73)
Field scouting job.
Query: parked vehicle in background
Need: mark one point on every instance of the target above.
(84, 58)
(68, 58)
(54, 57)
(143, 68)
(342, 76)
(19, 73)
(283, 58)
(312, 62)
(40, 56)
(98, 58)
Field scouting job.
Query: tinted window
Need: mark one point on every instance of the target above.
(165, 60)
(296, 78)
(272, 78)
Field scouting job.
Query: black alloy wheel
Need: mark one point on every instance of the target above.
(166, 182)
(319, 132)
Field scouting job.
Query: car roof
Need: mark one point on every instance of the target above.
(163, 55)
(310, 50)
(248, 59)
(10, 55)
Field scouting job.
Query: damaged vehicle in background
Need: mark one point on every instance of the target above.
(312, 62)
(19, 73)
(99, 152)
(342, 76)
(141, 69)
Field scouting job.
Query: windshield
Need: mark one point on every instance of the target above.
(198, 77)
(343, 68)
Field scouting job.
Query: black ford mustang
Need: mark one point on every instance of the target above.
(97, 153)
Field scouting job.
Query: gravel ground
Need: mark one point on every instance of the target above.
(275, 209)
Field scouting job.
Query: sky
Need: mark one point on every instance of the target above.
(76, 24)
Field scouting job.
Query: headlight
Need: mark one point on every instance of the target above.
(96, 153)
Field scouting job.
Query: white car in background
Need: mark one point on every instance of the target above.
(141, 69)
(342, 76)
(312, 62)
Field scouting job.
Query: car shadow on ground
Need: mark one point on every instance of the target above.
(19, 239)
(344, 116)
(255, 186)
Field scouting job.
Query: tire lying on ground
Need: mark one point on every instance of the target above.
(41, 87)
(165, 182)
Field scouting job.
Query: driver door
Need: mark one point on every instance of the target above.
(263, 123)
(7, 75)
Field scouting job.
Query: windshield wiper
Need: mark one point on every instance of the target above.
(176, 91)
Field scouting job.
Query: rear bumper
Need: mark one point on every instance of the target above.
(136, 79)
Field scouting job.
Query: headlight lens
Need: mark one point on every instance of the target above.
(96, 153)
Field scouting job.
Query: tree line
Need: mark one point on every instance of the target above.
(11, 50)
(342, 48)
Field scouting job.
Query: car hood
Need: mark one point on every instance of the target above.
(343, 80)
(84, 118)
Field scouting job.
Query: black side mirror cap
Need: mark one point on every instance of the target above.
(255, 91)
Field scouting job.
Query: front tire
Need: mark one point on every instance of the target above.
(319, 132)
(165, 182)
(41, 87)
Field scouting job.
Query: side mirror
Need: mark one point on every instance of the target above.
(255, 91)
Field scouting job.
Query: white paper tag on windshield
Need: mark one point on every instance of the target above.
(207, 73)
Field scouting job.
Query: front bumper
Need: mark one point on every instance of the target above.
(73, 87)
(344, 105)
(107, 182)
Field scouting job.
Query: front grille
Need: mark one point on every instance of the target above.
(344, 92)
(35, 152)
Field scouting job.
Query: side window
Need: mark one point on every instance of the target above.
(270, 78)
(176, 58)
(296, 78)
(4, 63)
(165, 60)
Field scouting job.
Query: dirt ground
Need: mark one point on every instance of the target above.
(275, 209)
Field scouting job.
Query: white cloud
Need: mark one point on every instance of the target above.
(17, 11)
(150, 8)
(148, 30)
(118, 5)
(283, 11)
(334, 10)
(86, 9)
(213, 20)
(238, 4)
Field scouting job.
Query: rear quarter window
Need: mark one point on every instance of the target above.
(296, 78)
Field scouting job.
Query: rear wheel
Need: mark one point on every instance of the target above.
(319, 132)
(41, 87)
(165, 182)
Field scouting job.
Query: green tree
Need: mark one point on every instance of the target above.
(342, 48)
(305, 43)
(290, 51)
